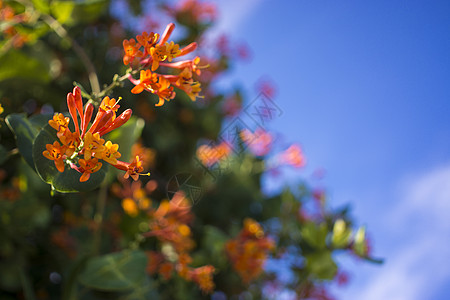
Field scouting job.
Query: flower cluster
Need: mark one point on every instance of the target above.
(151, 52)
(259, 142)
(209, 155)
(169, 224)
(249, 250)
(293, 156)
(193, 11)
(10, 19)
(83, 149)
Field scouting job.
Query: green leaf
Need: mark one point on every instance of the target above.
(15, 64)
(4, 155)
(144, 290)
(41, 5)
(115, 272)
(25, 134)
(321, 265)
(67, 181)
(315, 234)
(89, 10)
(62, 10)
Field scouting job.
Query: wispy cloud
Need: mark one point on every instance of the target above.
(419, 251)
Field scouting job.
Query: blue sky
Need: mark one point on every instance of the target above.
(365, 90)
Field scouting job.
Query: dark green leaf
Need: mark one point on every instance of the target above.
(4, 155)
(315, 234)
(321, 265)
(25, 134)
(115, 272)
(15, 64)
(67, 181)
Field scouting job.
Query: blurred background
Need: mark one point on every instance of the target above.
(364, 87)
(352, 102)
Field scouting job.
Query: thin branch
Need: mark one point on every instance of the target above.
(62, 32)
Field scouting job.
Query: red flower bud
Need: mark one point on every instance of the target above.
(88, 111)
(119, 121)
(73, 111)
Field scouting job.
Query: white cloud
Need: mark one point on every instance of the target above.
(419, 248)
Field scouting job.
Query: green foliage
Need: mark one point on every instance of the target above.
(115, 272)
(16, 64)
(67, 181)
(25, 134)
(87, 242)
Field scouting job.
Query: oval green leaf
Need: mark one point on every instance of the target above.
(67, 181)
(115, 272)
(25, 134)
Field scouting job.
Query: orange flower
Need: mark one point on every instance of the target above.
(134, 169)
(60, 123)
(173, 50)
(110, 104)
(147, 40)
(71, 140)
(148, 81)
(293, 156)
(131, 51)
(165, 91)
(56, 153)
(259, 142)
(88, 167)
(203, 277)
(249, 250)
(88, 144)
(158, 53)
(209, 155)
(92, 143)
(193, 91)
(109, 153)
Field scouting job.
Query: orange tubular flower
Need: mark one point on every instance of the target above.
(249, 250)
(203, 277)
(56, 153)
(147, 40)
(88, 167)
(87, 143)
(92, 144)
(109, 154)
(158, 53)
(60, 123)
(131, 51)
(148, 81)
(293, 156)
(162, 53)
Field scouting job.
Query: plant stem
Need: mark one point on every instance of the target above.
(62, 32)
(98, 217)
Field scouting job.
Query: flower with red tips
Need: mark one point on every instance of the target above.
(85, 146)
(158, 54)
